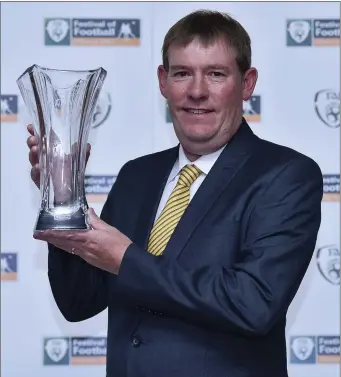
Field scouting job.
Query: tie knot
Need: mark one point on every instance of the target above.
(188, 175)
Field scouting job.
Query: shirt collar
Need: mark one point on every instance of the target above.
(204, 163)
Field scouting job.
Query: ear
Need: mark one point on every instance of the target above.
(249, 83)
(162, 76)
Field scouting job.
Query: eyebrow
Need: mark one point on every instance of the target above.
(177, 67)
(212, 66)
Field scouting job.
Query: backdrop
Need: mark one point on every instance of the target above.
(296, 103)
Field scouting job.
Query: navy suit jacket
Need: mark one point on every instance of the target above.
(214, 304)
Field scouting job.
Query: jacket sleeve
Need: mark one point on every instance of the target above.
(80, 289)
(254, 295)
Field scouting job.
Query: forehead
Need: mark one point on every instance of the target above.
(198, 54)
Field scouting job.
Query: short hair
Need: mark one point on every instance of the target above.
(208, 27)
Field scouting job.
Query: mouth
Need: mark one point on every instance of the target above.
(197, 111)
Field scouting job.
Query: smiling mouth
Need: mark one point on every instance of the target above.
(197, 111)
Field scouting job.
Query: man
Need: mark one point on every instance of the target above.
(201, 248)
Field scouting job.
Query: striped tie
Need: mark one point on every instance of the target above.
(174, 209)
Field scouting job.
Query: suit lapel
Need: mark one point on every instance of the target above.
(220, 176)
(156, 178)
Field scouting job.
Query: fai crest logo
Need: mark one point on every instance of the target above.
(302, 350)
(327, 107)
(328, 263)
(102, 110)
(56, 351)
(299, 32)
(57, 31)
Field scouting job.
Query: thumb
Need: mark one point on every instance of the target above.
(95, 221)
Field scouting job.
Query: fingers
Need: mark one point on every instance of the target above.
(35, 175)
(33, 156)
(33, 153)
(30, 129)
(32, 143)
(31, 140)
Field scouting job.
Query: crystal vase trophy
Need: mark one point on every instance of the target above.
(61, 104)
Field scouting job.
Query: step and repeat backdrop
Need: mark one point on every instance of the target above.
(296, 103)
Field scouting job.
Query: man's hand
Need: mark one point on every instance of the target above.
(32, 143)
(103, 246)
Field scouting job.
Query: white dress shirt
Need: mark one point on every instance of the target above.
(204, 163)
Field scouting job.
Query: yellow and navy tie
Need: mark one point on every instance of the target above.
(173, 210)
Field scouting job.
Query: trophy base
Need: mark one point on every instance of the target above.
(47, 220)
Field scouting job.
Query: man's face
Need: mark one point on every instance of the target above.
(205, 93)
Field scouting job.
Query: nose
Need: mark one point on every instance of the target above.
(198, 89)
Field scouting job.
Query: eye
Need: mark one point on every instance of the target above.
(217, 74)
(180, 74)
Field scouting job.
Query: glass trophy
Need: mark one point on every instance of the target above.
(61, 104)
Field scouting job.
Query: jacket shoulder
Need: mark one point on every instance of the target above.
(150, 160)
(277, 157)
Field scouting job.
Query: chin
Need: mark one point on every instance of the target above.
(197, 148)
(197, 143)
(198, 138)
(199, 135)
(198, 131)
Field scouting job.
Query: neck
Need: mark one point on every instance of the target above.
(192, 157)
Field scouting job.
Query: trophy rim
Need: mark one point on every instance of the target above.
(30, 69)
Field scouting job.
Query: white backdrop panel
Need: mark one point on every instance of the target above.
(132, 116)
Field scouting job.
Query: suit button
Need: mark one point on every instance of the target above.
(135, 342)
